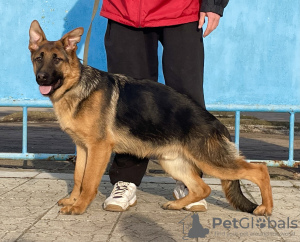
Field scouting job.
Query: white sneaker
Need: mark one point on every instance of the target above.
(121, 198)
(181, 191)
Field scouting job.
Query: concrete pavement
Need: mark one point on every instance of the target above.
(29, 212)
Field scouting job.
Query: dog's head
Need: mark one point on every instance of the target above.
(55, 63)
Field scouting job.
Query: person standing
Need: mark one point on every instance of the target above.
(133, 32)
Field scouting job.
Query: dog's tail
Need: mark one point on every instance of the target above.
(230, 158)
(232, 188)
(235, 196)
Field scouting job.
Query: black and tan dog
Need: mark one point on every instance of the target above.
(105, 113)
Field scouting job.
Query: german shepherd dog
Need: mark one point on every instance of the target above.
(105, 113)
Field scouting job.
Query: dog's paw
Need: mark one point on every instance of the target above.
(171, 205)
(262, 210)
(66, 201)
(71, 210)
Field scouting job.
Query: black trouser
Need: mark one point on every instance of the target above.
(133, 52)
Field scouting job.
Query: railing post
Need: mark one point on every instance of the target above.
(24, 139)
(237, 129)
(291, 139)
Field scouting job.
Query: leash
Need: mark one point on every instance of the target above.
(88, 35)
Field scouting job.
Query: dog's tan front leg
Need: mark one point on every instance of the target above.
(98, 155)
(78, 177)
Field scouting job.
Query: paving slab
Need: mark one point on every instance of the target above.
(29, 212)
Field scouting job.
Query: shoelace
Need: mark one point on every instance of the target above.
(120, 189)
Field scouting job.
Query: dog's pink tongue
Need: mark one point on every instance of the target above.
(45, 89)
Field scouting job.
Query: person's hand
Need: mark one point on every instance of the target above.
(212, 23)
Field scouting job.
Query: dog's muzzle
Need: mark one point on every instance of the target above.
(47, 86)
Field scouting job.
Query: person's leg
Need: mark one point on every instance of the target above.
(127, 168)
(183, 60)
(132, 52)
(183, 65)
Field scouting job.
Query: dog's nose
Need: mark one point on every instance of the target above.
(42, 77)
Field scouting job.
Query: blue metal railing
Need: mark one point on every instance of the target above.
(270, 108)
(222, 108)
(25, 104)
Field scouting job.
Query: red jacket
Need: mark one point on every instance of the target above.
(151, 13)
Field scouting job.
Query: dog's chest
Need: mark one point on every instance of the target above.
(69, 125)
(83, 128)
(64, 114)
(65, 119)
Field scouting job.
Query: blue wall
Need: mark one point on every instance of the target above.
(253, 58)
(254, 55)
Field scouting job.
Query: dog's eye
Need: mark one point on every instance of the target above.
(38, 59)
(57, 60)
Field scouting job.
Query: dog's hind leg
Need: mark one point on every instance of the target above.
(256, 173)
(183, 170)
(78, 176)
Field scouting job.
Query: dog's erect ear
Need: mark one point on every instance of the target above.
(36, 35)
(71, 39)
